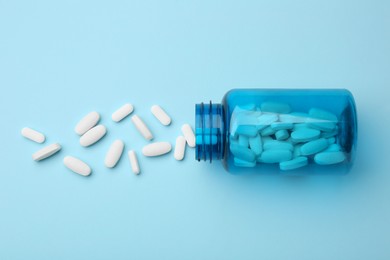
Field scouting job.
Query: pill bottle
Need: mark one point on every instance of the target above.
(279, 131)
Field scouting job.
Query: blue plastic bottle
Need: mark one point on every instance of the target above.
(288, 131)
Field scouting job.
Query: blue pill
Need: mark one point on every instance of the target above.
(243, 153)
(266, 120)
(333, 148)
(332, 133)
(248, 130)
(314, 147)
(322, 120)
(277, 145)
(293, 164)
(275, 156)
(243, 140)
(305, 135)
(267, 131)
(300, 126)
(256, 144)
(282, 126)
(282, 135)
(243, 163)
(328, 158)
(276, 107)
(331, 140)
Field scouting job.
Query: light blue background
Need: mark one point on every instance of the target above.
(62, 59)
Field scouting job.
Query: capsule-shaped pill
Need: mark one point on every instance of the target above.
(33, 135)
(293, 164)
(134, 162)
(46, 152)
(161, 115)
(122, 112)
(156, 149)
(114, 153)
(188, 135)
(256, 144)
(87, 123)
(314, 147)
(77, 166)
(266, 120)
(93, 135)
(242, 163)
(277, 145)
(322, 120)
(267, 131)
(305, 135)
(141, 127)
(282, 126)
(180, 148)
(243, 153)
(281, 134)
(275, 156)
(328, 158)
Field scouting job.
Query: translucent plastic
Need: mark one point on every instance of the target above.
(279, 131)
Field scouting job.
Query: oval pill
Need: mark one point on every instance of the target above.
(33, 135)
(188, 135)
(242, 163)
(114, 153)
(243, 153)
(277, 145)
(141, 127)
(156, 149)
(256, 144)
(180, 148)
(295, 163)
(315, 146)
(305, 135)
(275, 156)
(328, 158)
(87, 123)
(46, 152)
(93, 135)
(134, 162)
(76, 165)
(281, 135)
(122, 112)
(161, 115)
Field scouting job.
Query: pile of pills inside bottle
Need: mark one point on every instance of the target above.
(272, 133)
(90, 132)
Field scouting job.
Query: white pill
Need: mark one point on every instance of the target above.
(87, 123)
(180, 148)
(114, 153)
(141, 127)
(93, 135)
(134, 162)
(188, 134)
(161, 115)
(33, 135)
(156, 149)
(122, 112)
(77, 166)
(46, 152)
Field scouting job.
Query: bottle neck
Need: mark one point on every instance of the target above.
(209, 130)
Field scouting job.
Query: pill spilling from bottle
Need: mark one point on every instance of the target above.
(90, 132)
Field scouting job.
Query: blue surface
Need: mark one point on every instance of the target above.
(60, 60)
